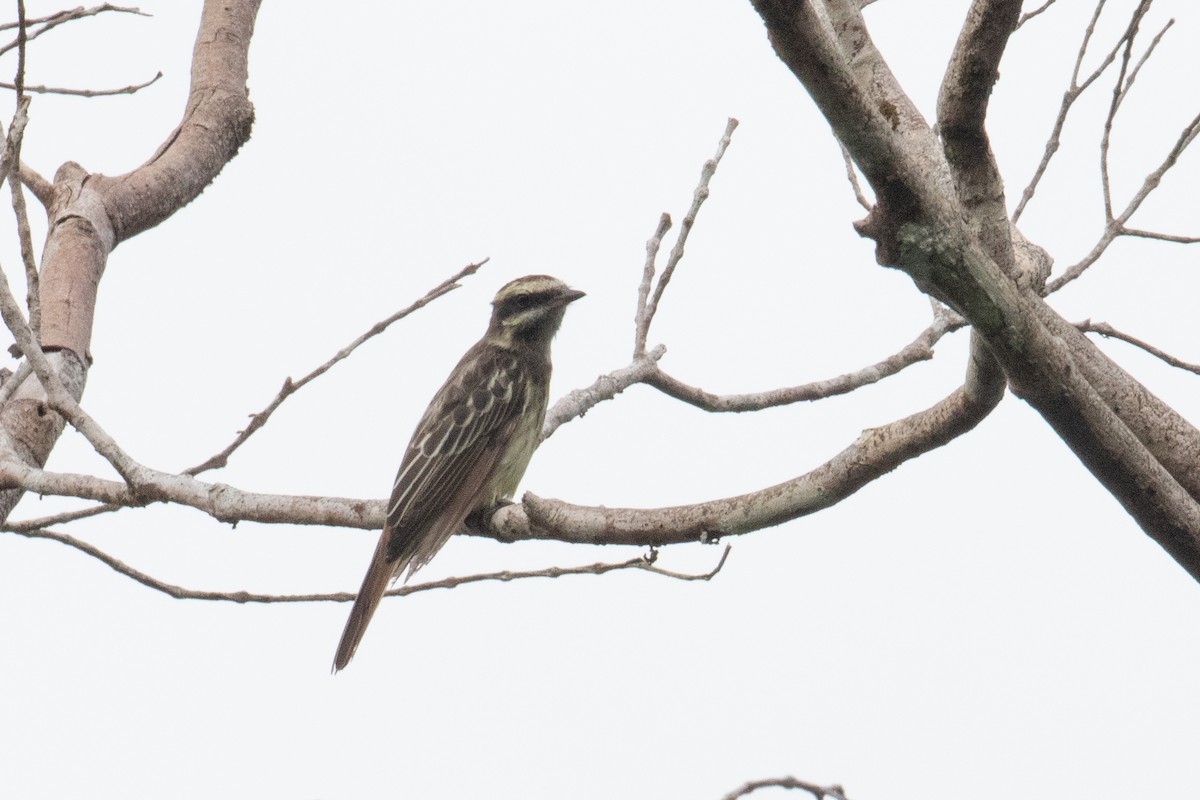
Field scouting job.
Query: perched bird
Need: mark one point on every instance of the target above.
(471, 447)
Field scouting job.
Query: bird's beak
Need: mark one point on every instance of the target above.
(570, 296)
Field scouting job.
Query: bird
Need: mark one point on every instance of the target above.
(473, 443)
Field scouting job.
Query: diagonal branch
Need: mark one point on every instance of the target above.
(648, 299)
(290, 387)
(1104, 329)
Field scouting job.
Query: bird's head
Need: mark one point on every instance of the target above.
(530, 309)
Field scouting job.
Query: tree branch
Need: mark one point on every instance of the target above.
(290, 387)
(645, 563)
(919, 349)
(833, 792)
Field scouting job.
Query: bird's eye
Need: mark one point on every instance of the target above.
(523, 301)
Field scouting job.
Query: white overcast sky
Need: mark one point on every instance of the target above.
(984, 622)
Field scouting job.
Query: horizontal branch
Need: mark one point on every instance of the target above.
(876, 452)
(130, 89)
(644, 563)
(920, 349)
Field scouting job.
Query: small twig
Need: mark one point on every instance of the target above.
(290, 387)
(834, 792)
(920, 349)
(641, 322)
(22, 39)
(1031, 14)
(52, 21)
(1118, 95)
(137, 87)
(852, 176)
(40, 523)
(16, 134)
(1117, 227)
(1162, 237)
(644, 563)
(1069, 97)
(689, 219)
(1104, 329)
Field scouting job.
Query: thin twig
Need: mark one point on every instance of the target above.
(645, 563)
(1104, 329)
(1031, 14)
(52, 21)
(40, 523)
(1117, 227)
(1069, 97)
(685, 227)
(852, 176)
(834, 792)
(641, 322)
(137, 87)
(1118, 95)
(16, 134)
(22, 39)
(290, 387)
(1162, 237)
(920, 349)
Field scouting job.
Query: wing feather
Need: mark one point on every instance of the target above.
(471, 419)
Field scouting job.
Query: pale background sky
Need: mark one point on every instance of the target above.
(984, 622)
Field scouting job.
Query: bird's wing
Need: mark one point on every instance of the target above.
(444, 475)
(454, 451)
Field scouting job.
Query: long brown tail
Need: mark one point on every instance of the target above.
(373, 586)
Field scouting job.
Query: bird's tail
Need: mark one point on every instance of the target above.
(374, 585)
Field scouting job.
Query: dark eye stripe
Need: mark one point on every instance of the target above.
(526, 300)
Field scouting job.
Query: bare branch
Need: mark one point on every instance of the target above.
(1162, 237)
(648, 310)
(876, 452)
(852, 177)
(641, 320)
(1031, 14)
(1104, 329)
(645, 563)
(578, 402)
(42, 189)
(1116, 227)
(12, 158)
(1074, 90)
(52, 21)
(833, 792)
(966, 89)
(40, 523)
(920, 349)
(132, 88)
(1118, 95)
(290, 387)
(59, 397)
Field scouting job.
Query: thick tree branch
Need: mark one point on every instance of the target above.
(918, 227)
(90, 214)
(876, 452)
